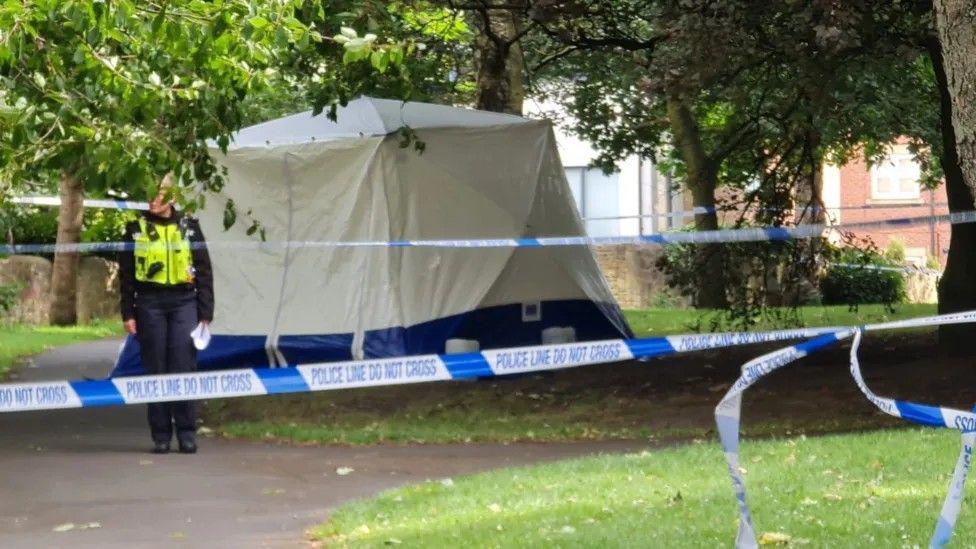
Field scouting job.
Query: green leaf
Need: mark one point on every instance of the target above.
(230, 214)
(380, 60)
(356, 44)
(352, 56)
(396, 55)
(259, 22)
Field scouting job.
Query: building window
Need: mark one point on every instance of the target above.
(896, 177)
(596, 196)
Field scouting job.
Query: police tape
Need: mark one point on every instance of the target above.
(933, 416)
(20, 397)
(729, 411)
(909, 269)
(730, 209)
(750, 234)
(108, 203)
(115, 204)
(728, 415)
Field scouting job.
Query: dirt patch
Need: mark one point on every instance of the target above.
(669, 398)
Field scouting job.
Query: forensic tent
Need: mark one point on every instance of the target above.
(481, 175)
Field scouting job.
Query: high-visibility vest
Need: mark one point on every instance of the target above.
(163, 254)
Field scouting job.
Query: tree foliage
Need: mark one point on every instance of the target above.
(119, 93)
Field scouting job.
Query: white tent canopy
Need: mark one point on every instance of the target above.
(367, 117)
(482, 175)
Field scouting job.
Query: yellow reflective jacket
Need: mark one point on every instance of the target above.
(163, 254)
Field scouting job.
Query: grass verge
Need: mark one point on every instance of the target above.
(651, 322)
(879, 489)
(19, 341)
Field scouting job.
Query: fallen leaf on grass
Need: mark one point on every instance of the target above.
(774, 538)
(567, 530)
(832, 497)
(392, 541)
(343, 471)
(447, 482)
(66, 527)
(495, 508)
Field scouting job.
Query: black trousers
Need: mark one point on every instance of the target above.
(164, 321)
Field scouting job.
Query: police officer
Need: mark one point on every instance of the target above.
(167, 289)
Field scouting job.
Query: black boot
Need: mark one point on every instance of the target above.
(160, 447)
(188, 442)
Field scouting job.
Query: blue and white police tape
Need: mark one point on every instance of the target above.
(910, 269)
(933, 416)
(957, 485)
(696, 210)
(751, 234)
(729, 411)
(107, 203)
(19, 397)
(701, 210)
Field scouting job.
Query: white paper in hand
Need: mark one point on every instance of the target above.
(201, 336)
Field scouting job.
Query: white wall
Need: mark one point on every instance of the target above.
(626, 198)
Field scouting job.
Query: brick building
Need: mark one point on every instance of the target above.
(890, 189)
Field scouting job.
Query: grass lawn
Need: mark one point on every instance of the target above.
(651, 322)
(878, 489)
(19, 341)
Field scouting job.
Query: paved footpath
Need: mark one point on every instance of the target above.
(92, 466)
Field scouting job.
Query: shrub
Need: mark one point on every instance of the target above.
(765, 281)
(29, 225)
(9, 294)
(852, 279)
(895, 252)
(39, 225)
(105, 225)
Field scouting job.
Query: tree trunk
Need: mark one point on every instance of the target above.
(957, 292)
(956, 24)
(500, 65)
(702, 181)
(802, 274)
(810, 194)
(64, 274)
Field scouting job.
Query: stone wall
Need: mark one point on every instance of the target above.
(98, 288)
(632, 273)
(637, 283)
(33, 276)
(921, 287)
